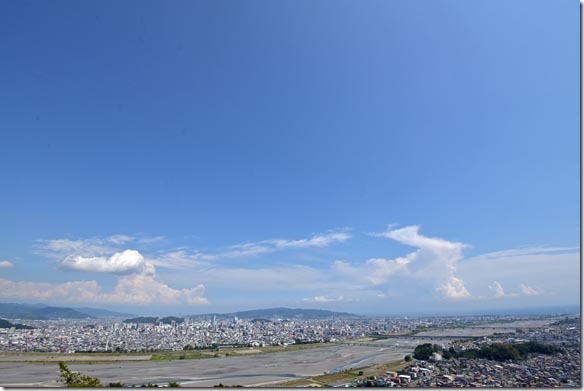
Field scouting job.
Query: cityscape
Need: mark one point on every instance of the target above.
(546, 350)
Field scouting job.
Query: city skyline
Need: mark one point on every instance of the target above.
(196, 157)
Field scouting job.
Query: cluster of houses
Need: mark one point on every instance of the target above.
(537, 370)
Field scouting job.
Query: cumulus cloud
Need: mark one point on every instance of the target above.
(555, 273)
(137, 281)
(374, 271)
(146, 289)
(497, 288)
(527, 290)
(127, 261)
(435, 259)
(135, 289)
(81, 291)
(380, 269)
(453, 288)
(5, 264)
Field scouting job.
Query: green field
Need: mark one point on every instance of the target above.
(346, 376)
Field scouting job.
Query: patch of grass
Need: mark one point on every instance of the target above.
(298, 383)
(179, 355)
(346, 376)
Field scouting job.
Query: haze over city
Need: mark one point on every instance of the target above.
(196, 157)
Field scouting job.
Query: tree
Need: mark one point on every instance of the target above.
(173, 384)
(76, 379)
(408, 358)
(423, 352)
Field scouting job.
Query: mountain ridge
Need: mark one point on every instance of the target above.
(280, 313)
(45, 312)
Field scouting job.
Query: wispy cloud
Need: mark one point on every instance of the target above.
(319, 240)
(182, 259)
(272, 245)
(90, 254)
(153, 239)
(6, 264)
(120, 239)
(322, 299)
(89, 247)
(522, 251)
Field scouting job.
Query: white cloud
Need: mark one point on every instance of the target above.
(322, 299)
(374, 271)
(89, 247)
(120, 239)
(153, 239)
(127, 261)
(136, 289)
(76, 290)
(320, 240)
(379, 269)
(556, 275)
(182, 259)
(272, 245)
(527, 290)
(453, 288)
(515, 252)
(435, 259)
(246, 250)
(58, 248)
(5, 264)
(137, 283)
(498, 289)
(146, 289)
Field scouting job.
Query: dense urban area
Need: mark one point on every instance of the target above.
(460, 351)
(111, 335)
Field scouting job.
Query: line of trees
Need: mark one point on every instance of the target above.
(495, 351)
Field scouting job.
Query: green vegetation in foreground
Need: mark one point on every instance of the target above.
(78, 380)
(345, 376)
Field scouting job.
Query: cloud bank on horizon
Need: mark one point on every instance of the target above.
(435, 270)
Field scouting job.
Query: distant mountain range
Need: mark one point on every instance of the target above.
(44, 312)
(279, 313)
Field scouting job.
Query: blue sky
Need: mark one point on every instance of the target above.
(196, 156)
